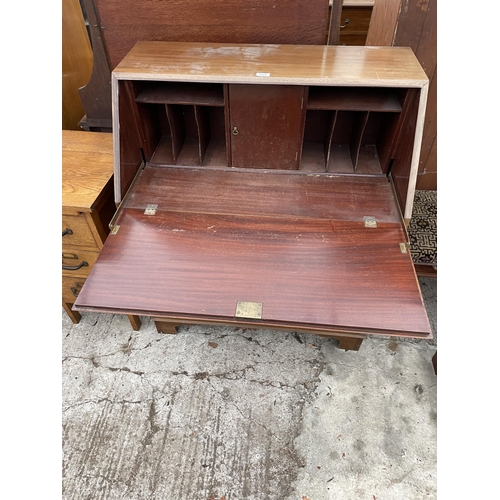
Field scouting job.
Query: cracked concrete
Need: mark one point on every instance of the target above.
(225, 413)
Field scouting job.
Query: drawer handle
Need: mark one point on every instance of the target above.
(75, 268)
(235, 130)
(76, 289)
(67, 231)
(347, 21)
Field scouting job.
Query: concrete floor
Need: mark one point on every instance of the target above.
(231, 414)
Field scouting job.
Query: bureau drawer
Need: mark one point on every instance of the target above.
(355, 21)
(77, 261)
(71, 288)
(76, 231)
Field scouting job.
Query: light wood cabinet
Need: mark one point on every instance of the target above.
(87, 207)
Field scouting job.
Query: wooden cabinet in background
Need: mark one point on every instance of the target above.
(413, 23)
(354, 23)
(87, 208)
(76, 62)
(349, 23)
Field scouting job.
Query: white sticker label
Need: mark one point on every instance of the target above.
(262, 74)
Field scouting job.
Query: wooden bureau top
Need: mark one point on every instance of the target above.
(87, 167)
(272, 64)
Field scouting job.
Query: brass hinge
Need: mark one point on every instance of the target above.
(370, 221)
(404, 247)
(249, 310)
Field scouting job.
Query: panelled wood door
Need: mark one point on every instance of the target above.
(266, 125)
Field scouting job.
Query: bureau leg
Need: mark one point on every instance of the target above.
(135, 321)
(349, 343)
(75, 316)
(166, 326)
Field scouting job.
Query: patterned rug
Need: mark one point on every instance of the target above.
(423, 228)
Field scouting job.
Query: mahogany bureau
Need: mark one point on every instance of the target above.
(87, 208)
(264, 186)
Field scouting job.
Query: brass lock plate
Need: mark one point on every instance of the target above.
(151, 209)
(249, 310)
(370, 221)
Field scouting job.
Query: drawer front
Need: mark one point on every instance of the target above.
(76, 231)
(71, 288)
(359, 21)
(353, 39)
(77, 262)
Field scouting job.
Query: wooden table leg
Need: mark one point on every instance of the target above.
(135, 321)
(349, 343)
(75, 316)
(165, 326)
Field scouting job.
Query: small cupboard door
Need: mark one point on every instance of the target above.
(266, 125)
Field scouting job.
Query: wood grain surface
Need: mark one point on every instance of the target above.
(356, 3)
(266, 193)
(335, 66)
(413, 24)
(76, 63)
(182, 93)
(96, 94)
(384, 21)
(417, 28)
(294, 241)
(266, 123)
(292, 64)
(353, 98)
(303, 271)
(87, 160)
(234, 21)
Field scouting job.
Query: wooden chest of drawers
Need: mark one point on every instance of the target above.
(354, 21)
(87, 208)
(354, 24)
